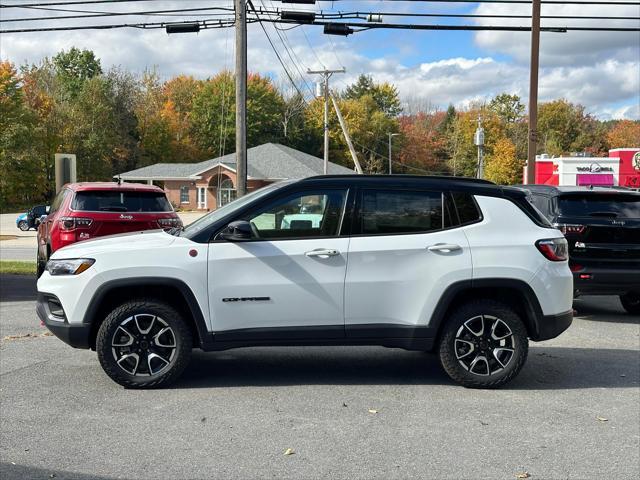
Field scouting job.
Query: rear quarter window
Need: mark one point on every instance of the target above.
(466, 208)
(120, 201)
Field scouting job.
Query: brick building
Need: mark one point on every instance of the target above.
(212, 183)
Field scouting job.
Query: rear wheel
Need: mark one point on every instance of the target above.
(144, 344)
(631, 302)
(484, 344)
(23, 225)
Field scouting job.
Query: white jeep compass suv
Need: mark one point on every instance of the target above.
(464, 267)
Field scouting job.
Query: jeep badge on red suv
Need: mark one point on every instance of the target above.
(82, 211)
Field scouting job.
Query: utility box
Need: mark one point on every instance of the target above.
(65, 169)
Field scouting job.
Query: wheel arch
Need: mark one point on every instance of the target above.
(515, 293)
(170, 290)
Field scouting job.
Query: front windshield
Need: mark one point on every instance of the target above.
(203, 222)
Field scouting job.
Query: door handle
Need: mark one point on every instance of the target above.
(322, 253)
(444, 247)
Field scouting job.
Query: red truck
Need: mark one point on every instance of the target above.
(82, 211)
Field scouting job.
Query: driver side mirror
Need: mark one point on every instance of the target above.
(238, 231)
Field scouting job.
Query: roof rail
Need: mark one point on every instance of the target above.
(401, 176)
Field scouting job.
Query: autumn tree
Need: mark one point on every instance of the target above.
(423, 145)
(502, 165)
(624, 133)
(22, 176)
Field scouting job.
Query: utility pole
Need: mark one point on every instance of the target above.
(326, 74)
(347, 137)
(241, 97)
(391, 135)
(478, 140)
(533, 93)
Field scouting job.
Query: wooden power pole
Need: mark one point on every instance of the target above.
(241, 97)
(533, 93)
(326, 74)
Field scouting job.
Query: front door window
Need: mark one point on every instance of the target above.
(226, 193)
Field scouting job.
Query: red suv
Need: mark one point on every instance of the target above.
(82, 211)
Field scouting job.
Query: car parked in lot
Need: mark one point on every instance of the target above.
(460, 266)
(83, 211)
(602, 227)
(31, 218)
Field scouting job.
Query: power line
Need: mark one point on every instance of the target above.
(275, 50)
(93, 14)
(72, 3)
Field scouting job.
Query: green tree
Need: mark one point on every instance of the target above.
(384, 95)
(76, 67)
(213, 114)
(507, 107)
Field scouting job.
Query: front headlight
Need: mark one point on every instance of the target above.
(69, 266)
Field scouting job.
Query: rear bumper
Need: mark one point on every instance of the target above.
(78, 336)
(550, 326)
(605, 281)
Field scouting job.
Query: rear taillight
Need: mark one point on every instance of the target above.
(575, 267)
(71, 223)
(555, 249)
(570, 228)
(169, 222)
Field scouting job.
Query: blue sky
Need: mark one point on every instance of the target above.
(430, 68)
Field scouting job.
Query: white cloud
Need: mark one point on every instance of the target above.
(599, 70)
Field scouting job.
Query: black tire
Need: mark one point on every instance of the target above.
(631, 302)
(500, 360)
(40, 264)
(128, 322)
(23, 225)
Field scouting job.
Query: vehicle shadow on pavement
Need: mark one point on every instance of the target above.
(9, 471)
(548, 368)
(18, 288)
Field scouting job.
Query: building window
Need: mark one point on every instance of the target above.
(184, 194)
(226, 192)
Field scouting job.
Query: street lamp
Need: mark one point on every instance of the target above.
(391, 135)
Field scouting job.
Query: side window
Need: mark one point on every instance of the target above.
(301, 215)
(184, 194)
(58, 200)
(468, 211)
(400, 211)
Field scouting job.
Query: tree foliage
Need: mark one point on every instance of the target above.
(115, 121)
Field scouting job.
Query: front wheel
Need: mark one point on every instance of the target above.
(631, 302)
(484, 344)
(144, 344)
(23, 225)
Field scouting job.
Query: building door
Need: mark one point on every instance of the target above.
(202, 198)
(226, 193)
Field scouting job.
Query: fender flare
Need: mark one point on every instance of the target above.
(204, 336)
(531, 305)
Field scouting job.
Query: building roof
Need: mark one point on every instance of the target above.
(270, 161)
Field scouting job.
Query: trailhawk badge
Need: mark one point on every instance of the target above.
(126, 217)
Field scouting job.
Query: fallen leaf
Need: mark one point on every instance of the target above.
(483, 423)
(523, 475)
(623, 375)
(289, 451)
(344, 404)
(373, 410)
(203, 419)
(602, 419)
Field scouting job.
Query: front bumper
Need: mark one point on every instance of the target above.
(78, 336)
(605, 281)
(553, 325)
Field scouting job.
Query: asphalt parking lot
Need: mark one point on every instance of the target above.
(573, 413)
